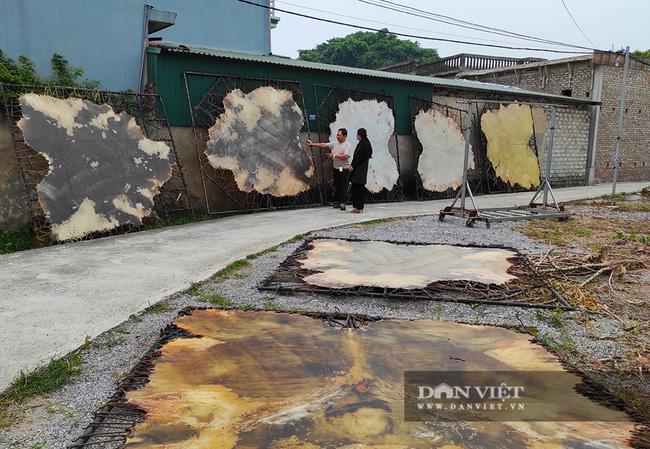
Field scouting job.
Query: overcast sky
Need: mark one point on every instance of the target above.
(608, 23)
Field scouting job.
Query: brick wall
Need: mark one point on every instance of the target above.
(570, 147)
(579, 77)
(635, 150)
(553, 79)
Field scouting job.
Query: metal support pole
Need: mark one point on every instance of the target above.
(463, 189)
(549, 155)
(621, 117)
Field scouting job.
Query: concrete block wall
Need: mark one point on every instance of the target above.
(553, 79)
(635, 149)
(570, 147)
(579, 76)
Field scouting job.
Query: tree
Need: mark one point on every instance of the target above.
(368, 50)
(24, 72)
(642, 54)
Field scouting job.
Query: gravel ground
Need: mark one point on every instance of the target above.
(55, 420)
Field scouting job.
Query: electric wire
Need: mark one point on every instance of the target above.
(409, 10)
(389, 24)
(413, 36)
(576, 23)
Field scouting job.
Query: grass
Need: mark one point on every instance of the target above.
(631, 236)
(633, 206)
(555, 318)
(195, 289)
(271, 305)
(216, 300)
(159, 308)
(40, 381)
(296, 238)
(16, 240)
(52, 410)
(231, 270)
(558, 233)
(156, 223)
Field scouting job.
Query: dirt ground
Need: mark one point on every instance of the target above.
(615, 239)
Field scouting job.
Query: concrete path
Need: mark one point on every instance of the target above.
(52, 298)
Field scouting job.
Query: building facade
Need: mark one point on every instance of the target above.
(597, 77)
(185, 75)
(108, 38)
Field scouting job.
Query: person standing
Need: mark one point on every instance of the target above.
(359, 170)
(340, 152)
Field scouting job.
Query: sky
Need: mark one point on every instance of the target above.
(608, 24)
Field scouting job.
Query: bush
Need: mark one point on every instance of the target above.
(24, 72)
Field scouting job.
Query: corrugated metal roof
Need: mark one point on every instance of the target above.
(440, 82)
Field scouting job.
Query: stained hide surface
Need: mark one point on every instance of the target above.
(508, 131)
(257, 137)
(540, 125)
(343, 263)
(377, 118)
(443, 149)
(103, 172)
(286, 381)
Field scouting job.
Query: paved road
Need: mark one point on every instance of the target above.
(52, 298)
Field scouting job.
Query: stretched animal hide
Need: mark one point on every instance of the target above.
(443, 150)
(258, 138)
(508, 131)
(377, 118)
(103, 172)
(286, 381)
(343, 263)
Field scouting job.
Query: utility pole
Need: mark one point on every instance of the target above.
(621, 117)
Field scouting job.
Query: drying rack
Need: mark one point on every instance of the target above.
(531, 211)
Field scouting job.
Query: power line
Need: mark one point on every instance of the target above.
(405, 9)
(576, 23)
(413, 36)
(388, 24)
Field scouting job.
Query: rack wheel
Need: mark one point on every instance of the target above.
(563, 219)
(488, 224)
(470, 223)
(441, 217)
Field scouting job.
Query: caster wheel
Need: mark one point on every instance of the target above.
(441, 218)
(470, 223)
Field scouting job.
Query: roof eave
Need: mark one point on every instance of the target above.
(444, 83)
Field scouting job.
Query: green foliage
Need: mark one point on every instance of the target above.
(16, 240)
(296, 238)
(45, 379)
(556, 317)
(216, 300)
(368, 50)
(159, 308)
(631, 236)
(642, 53)
(231, 270)
(195, 289)
(24, 72)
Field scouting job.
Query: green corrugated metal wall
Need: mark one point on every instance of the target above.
(166, 71)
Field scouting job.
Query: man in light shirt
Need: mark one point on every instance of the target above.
(340, 153)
